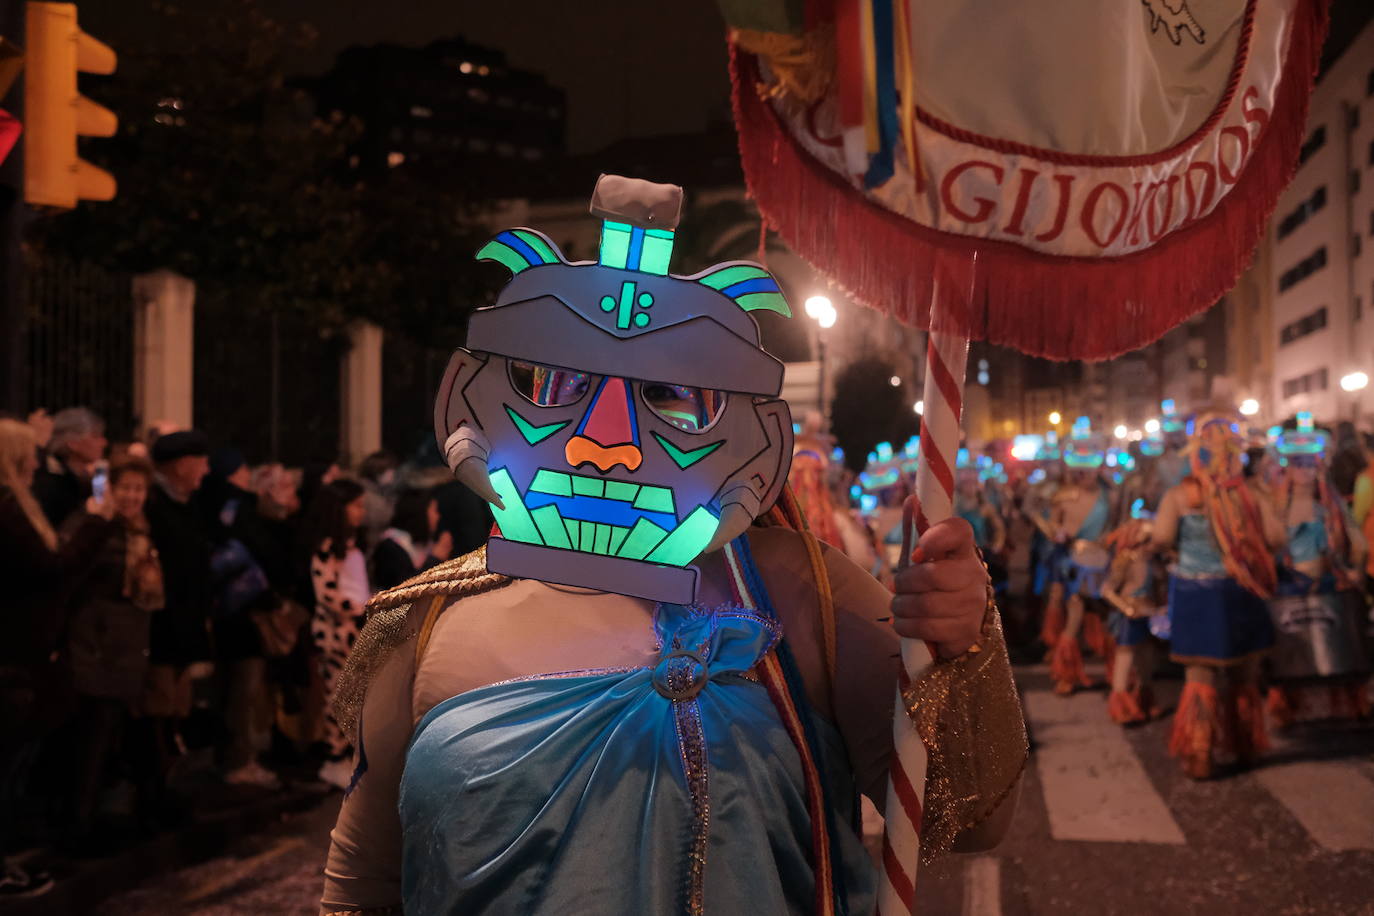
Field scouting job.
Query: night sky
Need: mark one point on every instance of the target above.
(630, 67)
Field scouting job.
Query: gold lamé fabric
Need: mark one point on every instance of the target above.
(389, 624)
(968, 714)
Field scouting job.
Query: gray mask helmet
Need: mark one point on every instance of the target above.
(621, 420)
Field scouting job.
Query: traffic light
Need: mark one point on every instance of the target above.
(55, 114)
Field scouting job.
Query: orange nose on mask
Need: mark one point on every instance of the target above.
(608, 434)
(580, 450)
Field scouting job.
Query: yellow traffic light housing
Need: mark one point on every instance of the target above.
(55, 114)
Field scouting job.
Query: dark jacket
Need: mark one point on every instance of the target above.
(36, 580)
(59, 490)
(180, 634)
(107, 638)
(392, 565)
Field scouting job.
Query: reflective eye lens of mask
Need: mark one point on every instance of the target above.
(548, 386)
(691, 409)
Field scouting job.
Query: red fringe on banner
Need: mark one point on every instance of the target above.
(1055, 307)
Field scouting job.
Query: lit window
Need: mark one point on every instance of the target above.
(394, 159)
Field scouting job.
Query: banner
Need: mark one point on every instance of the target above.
(1103, 171)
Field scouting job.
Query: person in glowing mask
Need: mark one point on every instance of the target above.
(1319, 661)
(1079, 519)
(1220, 628)
(634, 699)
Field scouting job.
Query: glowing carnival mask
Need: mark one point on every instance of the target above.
(622, 421)
(1085, 449)
(1306, 445)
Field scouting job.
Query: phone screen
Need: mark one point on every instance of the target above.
(99, 484)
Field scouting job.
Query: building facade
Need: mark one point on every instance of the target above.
(450, 104)
(1321, 272)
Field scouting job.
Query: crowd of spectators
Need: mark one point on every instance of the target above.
(170, 606)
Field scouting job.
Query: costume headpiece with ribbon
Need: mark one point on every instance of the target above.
(1214, 453)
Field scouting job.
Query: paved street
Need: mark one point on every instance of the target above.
(1106, 825)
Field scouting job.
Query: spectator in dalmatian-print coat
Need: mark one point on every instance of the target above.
(338, 575)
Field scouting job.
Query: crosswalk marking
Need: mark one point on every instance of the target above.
(1333, 801)
(982, 887)
(1095, 788)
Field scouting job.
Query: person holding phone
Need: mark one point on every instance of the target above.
(34, 566)
(107, 650)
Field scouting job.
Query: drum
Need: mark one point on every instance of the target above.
(1090, 555)
(1318, 636)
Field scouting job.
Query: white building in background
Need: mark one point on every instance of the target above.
(1322, 235)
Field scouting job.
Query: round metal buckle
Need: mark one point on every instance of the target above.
(664, 676)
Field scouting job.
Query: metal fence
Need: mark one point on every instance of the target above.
(266, 383)
(80, 340)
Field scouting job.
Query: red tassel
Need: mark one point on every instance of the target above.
(1053, 624)
(1018, 297)
(1098, 638)
(1066, 666)
(1282, 705)
(1246, 736)
(1125, 708)
(1195, 722)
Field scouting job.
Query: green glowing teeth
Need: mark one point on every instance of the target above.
(618, 490)
(514, 520)
(645, 541)
(643, 537)
(655, 499)
(588, 486)
(688, 539)
(552, 482)
(648, 498)
(550, 525)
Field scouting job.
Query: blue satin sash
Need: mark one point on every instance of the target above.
(671, 789)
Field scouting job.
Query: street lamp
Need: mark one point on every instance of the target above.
(1121, 432)
(1249, 407)
(1055, 418)
(1152, 426)
(895, 381)
(1355, 381)
(822, 311)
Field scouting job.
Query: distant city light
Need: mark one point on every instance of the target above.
(394, 159)
(1121, 432)
(1355, 381)
(1249, 407)
(1056, 418)
(895, 381)
(822, 310)
(465, 67)
(919, 407)
(1152, 426)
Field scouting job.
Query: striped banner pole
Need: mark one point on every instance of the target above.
(946, 359)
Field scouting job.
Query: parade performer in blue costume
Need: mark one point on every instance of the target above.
(1220, 629)
(1080, 518)
(1319, 666)
(635, 699)
(1133, 589)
